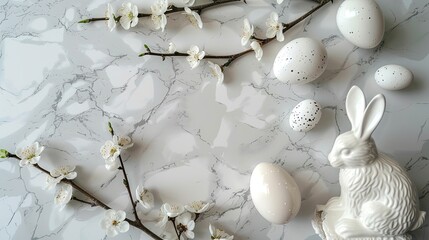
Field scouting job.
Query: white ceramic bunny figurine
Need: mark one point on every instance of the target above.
(378, 200)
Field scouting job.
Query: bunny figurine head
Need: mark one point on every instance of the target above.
(356, 148)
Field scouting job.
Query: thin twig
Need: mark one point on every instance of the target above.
(171, 9)
(126, 182)
(232, 57)
(83, 201)
(173, 220)
(97, 202)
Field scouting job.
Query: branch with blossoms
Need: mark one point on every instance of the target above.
(114, 222)
(275, 30)
(128, 15)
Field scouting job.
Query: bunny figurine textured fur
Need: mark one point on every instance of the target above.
(378, 200)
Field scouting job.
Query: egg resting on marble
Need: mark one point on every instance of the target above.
(361, 22)
(275, 193)
(393, 77)
(300, 61)
(305, 116)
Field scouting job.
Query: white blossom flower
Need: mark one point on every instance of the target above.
(197, 207)
(63, 195)
(172, 48)
(29, 154)
(193, 17)
(163, 218)
(158, 17)
(218, 234)
(51, 182)
(110, 151)
(184, 3)
(122, 142)
(217, 72)
(258, 49)
(64, 172)
(145, 197)
(246, 32)
(112, 165)
(186, 225)
(195, 56)
(129, 15)
(114, 223)
(275, 28)
(110, 14)
(173, 210)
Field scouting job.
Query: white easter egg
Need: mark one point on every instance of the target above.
(305, 115)
(275, 193)
(300, 61)
(361, 22)
(393, 77)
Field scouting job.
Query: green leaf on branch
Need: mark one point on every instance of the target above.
(4, 153)
(109, 127)
(147, 47)
(84, 21)
(124, 181)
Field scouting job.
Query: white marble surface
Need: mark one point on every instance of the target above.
(60, 82)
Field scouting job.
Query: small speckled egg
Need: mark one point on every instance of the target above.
(300, 61)
(393, 77)
(305, 115)
(361, 22)
(275, 193)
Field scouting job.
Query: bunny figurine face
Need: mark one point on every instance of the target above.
(356, 148)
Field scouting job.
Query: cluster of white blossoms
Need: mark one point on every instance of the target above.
(112, 148)
(274, 29)
(128, 14)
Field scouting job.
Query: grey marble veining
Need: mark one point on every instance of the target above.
(60, 82)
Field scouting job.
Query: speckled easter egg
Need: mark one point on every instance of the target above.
(361, 22)
(300, 61)
(275, 193)
(305, 115)
(393, 77)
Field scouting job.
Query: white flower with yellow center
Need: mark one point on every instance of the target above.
(217, 234)
(114, 222)
(258, 50)
(193, 17)
(173, 210)
(110, 14)
(29, 154)
(198, 207)
(186, 225)
(247, 32)
(122, 142)
(158, 10)
(275, 28)
(145, 197)
(217, 72)
(129, 15)
(195, 56)
(62, 172)
(63, 195)
(110, 151)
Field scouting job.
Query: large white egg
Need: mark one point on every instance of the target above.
(275, 193)
(361, 22)
(300, 61)
(393, 77)
(305, 115)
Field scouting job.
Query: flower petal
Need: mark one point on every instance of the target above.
(123, 226)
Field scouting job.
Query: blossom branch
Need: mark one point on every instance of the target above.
(136, 224)
(232, 57)
(171, 9)
(173, 221)
(126, 182)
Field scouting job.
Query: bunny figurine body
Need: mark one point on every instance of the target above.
(378, 200)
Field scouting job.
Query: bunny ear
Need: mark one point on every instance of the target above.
(355, 106)
(372, 116)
